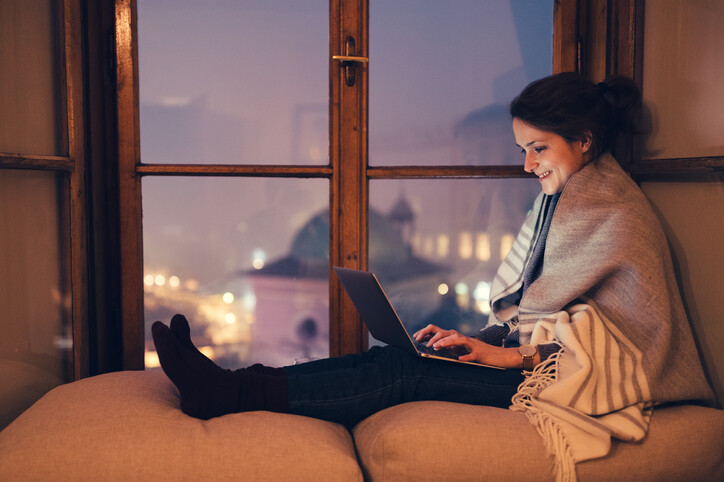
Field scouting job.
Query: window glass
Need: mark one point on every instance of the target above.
(441, 72)
(36, 345)
(234, 82)
(436, 255)
(247, 262)
(29, 67)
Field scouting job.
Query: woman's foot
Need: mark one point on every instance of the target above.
(206, 390)
(181, 330)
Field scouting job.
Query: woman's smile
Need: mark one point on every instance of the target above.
(544, 175)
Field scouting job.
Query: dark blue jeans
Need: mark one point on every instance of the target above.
(347, 389)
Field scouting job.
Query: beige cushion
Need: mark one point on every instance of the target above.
(127, 426)
(445, 441)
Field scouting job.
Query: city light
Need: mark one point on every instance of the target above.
(465, 249)
(461, 289)
(248, 302)
(481, 294)
(443, 245)
(506, 242)
(228, 298)
(482, 247)
(174, 281)
(258, 258)
(443, 288)
(150, 358)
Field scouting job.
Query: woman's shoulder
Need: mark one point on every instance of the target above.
(605, 198)
(603, 185)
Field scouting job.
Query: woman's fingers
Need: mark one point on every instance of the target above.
(448, 338)
(436, 337)
(428, 331)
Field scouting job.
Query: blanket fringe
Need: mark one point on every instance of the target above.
(543, 375)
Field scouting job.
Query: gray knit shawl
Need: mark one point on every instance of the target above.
(606, 244)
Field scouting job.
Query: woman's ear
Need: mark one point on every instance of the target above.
(586, 142)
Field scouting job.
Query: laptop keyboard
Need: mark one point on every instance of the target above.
(447, 352)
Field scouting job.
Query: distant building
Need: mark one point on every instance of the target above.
(292, 292)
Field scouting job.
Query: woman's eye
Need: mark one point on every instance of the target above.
(538, 150)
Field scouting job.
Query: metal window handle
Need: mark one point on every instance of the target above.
(349, 61)
(348, 58)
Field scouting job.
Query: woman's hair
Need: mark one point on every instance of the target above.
(576, 109)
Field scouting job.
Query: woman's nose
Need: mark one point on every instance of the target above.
(530, 164)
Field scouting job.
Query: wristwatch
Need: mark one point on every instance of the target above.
(528, 352)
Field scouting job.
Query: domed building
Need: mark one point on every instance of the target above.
(292, 292)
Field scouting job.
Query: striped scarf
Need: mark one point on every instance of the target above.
(608, 295)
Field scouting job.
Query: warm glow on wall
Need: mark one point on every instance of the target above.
(465, 249)
(482, 247)
(443, 245)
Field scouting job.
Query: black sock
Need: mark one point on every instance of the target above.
(181, 330)
(206, 390)
(209, 391)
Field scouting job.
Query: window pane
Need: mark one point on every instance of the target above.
(246, 260)
(36, 347)
(436, 67)
(436, 255)
(29, 78)
(682, 79)
(234, 82)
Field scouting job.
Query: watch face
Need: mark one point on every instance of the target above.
(527, 350)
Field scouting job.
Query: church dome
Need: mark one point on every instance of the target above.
(389, 256)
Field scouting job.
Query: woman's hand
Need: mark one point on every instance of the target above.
(479, 351)
(432, 334)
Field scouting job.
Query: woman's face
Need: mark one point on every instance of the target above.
(552, 158)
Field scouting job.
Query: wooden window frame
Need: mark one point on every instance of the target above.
(348, 171)
(611, 41)
(71, 163)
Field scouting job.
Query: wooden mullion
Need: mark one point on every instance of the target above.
(78, 289)
(686, 165)
(566, 46)
(131, 249)
(625, 25)
(235, 170)
(64, 119)
(349, 184)
(22, 161)
(624, 56)
(442, 172)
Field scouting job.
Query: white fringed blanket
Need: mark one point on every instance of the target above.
(608, 295)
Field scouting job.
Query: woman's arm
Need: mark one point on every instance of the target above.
(480, 351)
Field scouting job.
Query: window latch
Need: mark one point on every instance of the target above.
(349, 61)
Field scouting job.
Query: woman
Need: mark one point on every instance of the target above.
(585, 302)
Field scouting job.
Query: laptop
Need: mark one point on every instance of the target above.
(381, 319)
